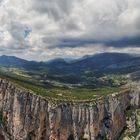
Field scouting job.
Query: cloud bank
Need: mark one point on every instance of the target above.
(44, 29)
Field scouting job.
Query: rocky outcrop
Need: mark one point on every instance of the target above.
(132, 131)
(26, 116)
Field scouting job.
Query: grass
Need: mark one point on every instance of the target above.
(32, 85)
(82, 93)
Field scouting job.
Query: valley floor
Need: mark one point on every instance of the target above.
(64, 93)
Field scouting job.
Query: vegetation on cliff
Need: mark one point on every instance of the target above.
(132, 130)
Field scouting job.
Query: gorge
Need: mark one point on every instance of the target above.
(69, 69)
(26, 116)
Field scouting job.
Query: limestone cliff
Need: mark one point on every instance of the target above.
(132, 130)
(26, 116)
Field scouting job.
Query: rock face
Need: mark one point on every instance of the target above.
(132, 131)
(25, 116)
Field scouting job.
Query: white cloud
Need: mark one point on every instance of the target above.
(39, 55)
(53, 21)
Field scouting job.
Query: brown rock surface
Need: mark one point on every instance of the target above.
(30, 117)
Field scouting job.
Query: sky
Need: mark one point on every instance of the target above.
(46, 29)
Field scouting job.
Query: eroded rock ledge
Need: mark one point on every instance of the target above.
(25, 116)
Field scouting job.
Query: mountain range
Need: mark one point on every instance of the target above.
(88, 70)
(104, 61)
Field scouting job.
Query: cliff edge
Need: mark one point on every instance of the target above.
(26, 116)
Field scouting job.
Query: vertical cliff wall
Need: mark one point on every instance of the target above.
(25, 116)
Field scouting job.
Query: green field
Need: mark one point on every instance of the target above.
(27, 82)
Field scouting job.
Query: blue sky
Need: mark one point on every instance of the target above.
(27, 32)
(45, 29)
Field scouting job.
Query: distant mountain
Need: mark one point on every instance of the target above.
(61, 60)
(98, 63)
(12, 61)
(57, 62)
(88, 70)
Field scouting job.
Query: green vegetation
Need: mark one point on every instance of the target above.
(132, 112)
(115, 80)
(23, 80)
